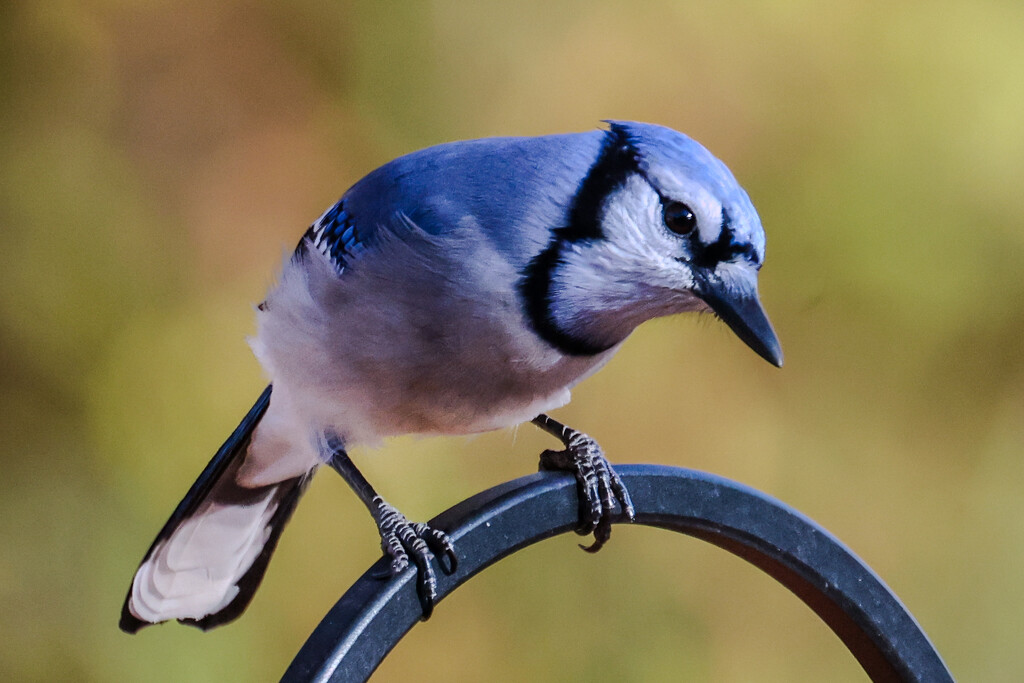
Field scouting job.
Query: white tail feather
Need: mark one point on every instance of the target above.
(195, 572)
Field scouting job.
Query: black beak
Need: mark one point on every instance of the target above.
(733, 298)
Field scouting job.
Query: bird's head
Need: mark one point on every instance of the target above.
(657, 226)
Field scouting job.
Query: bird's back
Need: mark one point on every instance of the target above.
(515, 190)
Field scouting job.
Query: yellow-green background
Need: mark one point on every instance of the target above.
(158, 158)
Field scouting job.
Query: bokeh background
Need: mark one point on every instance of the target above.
(158, 158)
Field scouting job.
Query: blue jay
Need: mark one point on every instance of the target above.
(462, 288)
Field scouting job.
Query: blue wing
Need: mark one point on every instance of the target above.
(514, 190)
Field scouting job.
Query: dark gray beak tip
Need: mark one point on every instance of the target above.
(751, 325)
(772, 353)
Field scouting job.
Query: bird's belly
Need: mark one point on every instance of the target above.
(449, 392)
(467, 416)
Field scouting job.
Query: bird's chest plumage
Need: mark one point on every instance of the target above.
(426, 336)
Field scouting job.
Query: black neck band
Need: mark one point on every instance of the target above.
(615, 163)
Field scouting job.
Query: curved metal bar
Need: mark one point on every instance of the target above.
(373, 615)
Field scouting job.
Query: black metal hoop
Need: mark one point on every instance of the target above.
(373, 615)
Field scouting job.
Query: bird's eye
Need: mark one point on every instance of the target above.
(679, 218)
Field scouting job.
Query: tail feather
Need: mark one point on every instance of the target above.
(209, 558)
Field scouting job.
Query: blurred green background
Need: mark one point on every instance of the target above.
(158, 158)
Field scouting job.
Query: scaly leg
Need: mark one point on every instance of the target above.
(600, 489)
(400, 539)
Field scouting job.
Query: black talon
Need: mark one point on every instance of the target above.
(440, 546)
(404, 541)
(400, 539)
(600, 488)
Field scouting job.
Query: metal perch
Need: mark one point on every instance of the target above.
(373, 615)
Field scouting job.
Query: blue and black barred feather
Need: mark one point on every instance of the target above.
(335, 236)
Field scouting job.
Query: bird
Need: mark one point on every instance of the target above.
(462, 288)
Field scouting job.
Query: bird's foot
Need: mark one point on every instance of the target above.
(402, 541)
(601, 490)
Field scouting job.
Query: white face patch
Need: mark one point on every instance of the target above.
(636, 271)
(632, 223)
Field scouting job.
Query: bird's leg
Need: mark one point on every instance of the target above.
(600, 488)
(400, 539)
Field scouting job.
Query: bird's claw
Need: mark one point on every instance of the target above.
(601, 490)
(402, 541)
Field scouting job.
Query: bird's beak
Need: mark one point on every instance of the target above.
(731, 292)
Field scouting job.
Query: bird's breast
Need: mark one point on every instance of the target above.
(427, 338)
